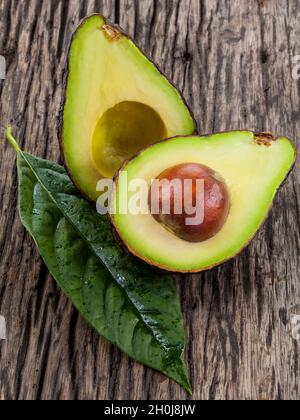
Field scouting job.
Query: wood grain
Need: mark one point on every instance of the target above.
(233, 61)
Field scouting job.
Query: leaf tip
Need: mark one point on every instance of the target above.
(187, 386)
(11, 139)
(189, 389)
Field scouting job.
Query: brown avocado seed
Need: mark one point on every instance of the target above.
(190, 200)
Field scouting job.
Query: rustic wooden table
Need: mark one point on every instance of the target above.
(234, 62)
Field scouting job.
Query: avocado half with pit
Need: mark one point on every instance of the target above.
(241, 172)
(117, 102)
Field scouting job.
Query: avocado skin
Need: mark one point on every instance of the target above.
(65, 83)
(257, 135)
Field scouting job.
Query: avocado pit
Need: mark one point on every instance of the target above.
(190, 200)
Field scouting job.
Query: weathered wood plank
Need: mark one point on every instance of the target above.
(233, 61)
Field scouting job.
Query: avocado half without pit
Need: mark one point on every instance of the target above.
(241, 173)
(117, 102)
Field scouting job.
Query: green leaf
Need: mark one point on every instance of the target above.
(127, 302)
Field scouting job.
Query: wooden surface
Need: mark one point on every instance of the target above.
(233, 61)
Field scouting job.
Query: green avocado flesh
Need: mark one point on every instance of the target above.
(253, 167)
(117, 103)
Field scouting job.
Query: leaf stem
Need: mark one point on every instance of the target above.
(11, 139)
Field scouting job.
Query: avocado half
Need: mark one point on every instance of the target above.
(253, 167)
(117, 102)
